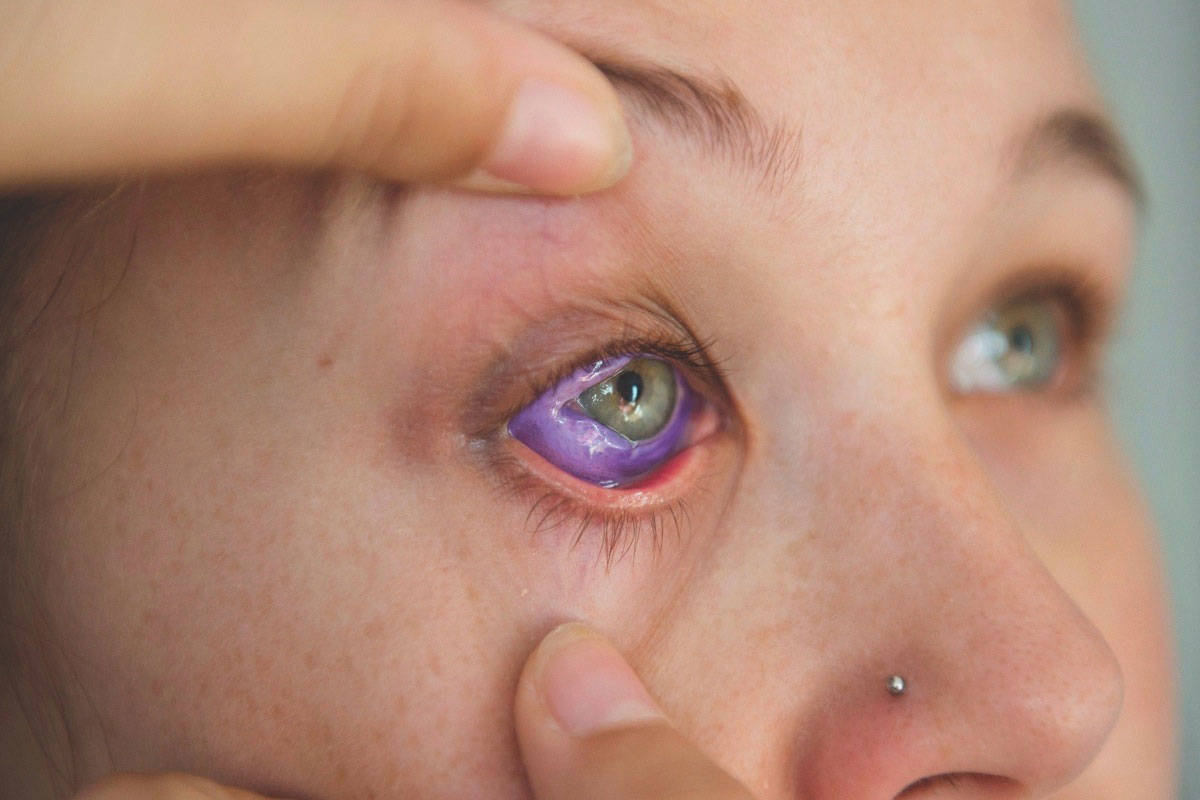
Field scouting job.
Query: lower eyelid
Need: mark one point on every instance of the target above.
(662, 485)
(614, 520)
(599, 443)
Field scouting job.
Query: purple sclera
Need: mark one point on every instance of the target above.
(558, 430)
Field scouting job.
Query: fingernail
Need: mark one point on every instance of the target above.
(560, 141)
(587, 685)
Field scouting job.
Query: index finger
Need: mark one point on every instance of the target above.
(409, 91)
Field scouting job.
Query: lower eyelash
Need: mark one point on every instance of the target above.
(618, 532)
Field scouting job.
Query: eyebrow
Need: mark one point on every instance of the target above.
(715, 114)
(1077, 135)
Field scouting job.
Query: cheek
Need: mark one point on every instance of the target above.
(262, 575)
(323, 637)
(249, 581)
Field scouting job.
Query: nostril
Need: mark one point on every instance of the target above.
(959, 784)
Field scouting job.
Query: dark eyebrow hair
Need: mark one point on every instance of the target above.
(716, 115)
(1084, 136)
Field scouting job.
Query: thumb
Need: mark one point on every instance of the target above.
(416, 90)
(588, 729)
(162, 786)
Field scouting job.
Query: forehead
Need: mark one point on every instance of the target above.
(910, 95)
(782, 45)
(908, 118)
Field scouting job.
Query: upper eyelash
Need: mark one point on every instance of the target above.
(1090, 312)
(1090, 308)
(694, 356)
(1089, 305)
(620, 531)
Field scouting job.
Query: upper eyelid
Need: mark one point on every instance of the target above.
(692, 356)
(1091, 303)
(1090, 308)
(554, 350)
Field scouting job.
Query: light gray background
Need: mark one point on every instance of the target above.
(1147, 54)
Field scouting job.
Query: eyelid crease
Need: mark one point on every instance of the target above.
(652, 328)
(1090, 306)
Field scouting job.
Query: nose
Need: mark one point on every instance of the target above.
(1009, 691)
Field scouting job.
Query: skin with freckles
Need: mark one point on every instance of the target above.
(274, 532)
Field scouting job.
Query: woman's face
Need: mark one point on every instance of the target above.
(284, 536)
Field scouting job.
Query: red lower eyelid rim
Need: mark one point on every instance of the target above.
(662, 475)
(668, 483)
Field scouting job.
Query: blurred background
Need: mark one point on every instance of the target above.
(1147, 56)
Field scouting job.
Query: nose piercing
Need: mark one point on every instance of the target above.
(896, 685)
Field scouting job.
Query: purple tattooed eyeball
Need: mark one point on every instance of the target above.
(612, 422)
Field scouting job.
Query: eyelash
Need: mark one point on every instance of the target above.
(1087, 306)
(619, 531)
(1085, 301)
(1089, 310)
(693, 357)
(1090, 318)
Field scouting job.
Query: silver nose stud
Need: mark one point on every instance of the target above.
(896, 685)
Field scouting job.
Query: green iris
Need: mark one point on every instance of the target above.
(1017, 345)
(636, 402)
(1031, 333)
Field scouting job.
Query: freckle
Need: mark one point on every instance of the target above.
(310, 659)
(341, 772)
(391, 774)
(373, 629)
(325, 362)
(276, 711)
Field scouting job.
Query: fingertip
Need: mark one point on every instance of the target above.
(588, 728)
(586, 686)
(556, 140)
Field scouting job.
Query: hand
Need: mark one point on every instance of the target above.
(419, 90)
(166, 786)
(589, 730)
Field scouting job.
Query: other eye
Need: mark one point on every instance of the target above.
(613, 422)
(1018, 345)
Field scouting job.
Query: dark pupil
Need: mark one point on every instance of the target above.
(1020, 339)
(629, 387)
